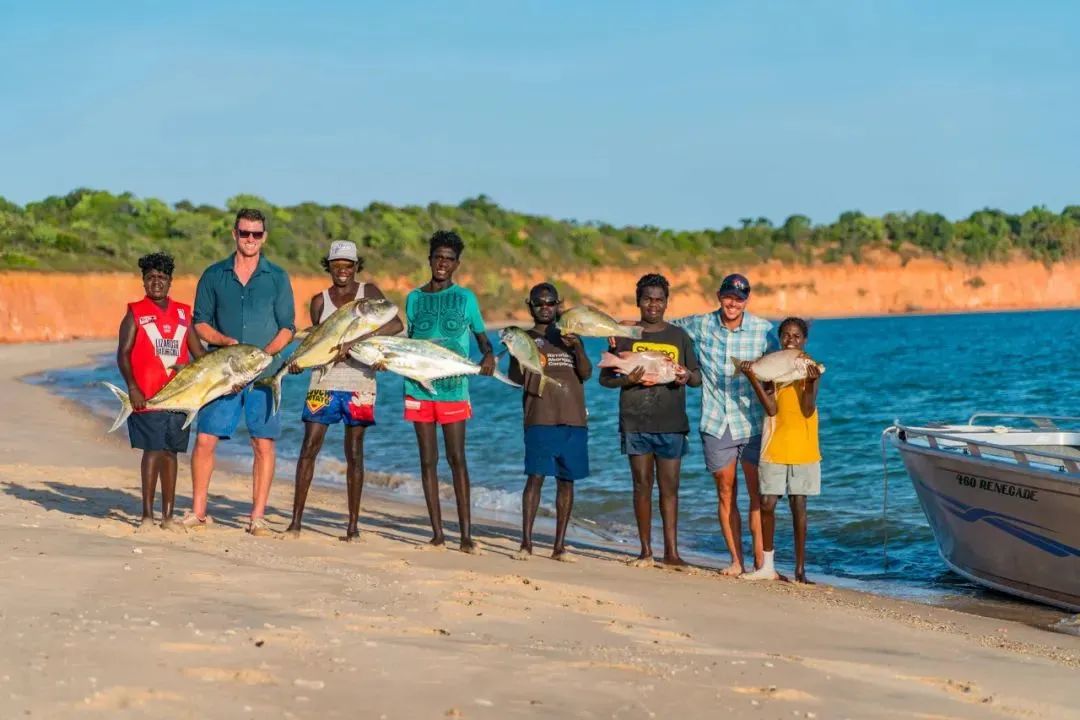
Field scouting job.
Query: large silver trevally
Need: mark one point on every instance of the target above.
(207, 378)
(783, 366)
(587, 321)
(419, 360)
(523, 347)
(320, 343)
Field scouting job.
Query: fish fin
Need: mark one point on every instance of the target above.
(274, 383)
(635, 331)
(190, 418)
(734, 360)
(502, 378)
(609, 358)
(125, 405)
(427, 385)
(302, 335)
(545, 381)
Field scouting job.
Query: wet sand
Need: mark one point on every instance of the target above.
(102, 621)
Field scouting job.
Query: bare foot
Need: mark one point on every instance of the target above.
(433, 544)
(642, 562)
(470, 547)
(675, 563)
(800, 577)
(732, 570)
(145, 523)
(522, 554)
(171, 525)
(563, 556)
(351, 535)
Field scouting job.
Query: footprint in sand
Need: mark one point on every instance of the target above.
(122, 698)
(774, 693)
(240, 676)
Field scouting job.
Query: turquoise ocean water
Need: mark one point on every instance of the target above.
(916, 368)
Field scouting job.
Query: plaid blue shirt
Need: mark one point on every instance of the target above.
(727, 398)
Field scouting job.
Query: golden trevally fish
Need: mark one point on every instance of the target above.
(419, 360)
(320, 343)
(783, 366)
(587, 321)
(207, 378)
(523, 347)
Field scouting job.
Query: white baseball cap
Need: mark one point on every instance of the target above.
(342, 250)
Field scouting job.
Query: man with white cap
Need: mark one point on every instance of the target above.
(345, 393)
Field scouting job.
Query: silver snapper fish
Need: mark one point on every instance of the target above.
(587, 321)
(320, 343)
(523, 347)
(419, 360)
(207, 378)
(783, 366)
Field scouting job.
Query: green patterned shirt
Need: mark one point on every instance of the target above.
(447, 317)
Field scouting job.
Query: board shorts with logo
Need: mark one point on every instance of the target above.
(330, 407)
(668, 446)
(801, 479)
(560, 451)
(436, 411)
(158, 430)
(722, 451)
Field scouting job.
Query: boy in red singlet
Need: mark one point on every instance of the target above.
(156, 340)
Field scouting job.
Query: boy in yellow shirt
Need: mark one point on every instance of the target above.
(790, 455)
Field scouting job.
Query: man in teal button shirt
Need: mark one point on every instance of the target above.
(245, 298)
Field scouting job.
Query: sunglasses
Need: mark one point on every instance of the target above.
(545, 303)
(257, 234)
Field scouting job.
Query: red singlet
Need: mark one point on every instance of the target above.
(160, 342)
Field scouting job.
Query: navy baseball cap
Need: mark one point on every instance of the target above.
(736, 285)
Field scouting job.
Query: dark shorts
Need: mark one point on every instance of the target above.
(221, 417)
(329, 407)
(158, 430)
(560, 451)
(723, 451)
(668, 446)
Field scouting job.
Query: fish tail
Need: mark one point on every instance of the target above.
(635, 331)
(545, 381)
(274, 383)
(502, 378)
(190, 418)
(125, 405)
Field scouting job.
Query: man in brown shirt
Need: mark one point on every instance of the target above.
(556, 429)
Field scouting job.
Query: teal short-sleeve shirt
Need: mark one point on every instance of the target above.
(448, 317)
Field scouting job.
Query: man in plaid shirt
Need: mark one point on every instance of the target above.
(731, 420)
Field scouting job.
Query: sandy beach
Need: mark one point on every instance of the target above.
(101, 621)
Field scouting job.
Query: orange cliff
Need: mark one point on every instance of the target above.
(61, 306)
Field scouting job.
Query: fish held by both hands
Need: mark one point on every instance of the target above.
(782, 366)
(523, 347)
(659, 367)
(207, 378)
(420, 360)
(587, 321)
(320, 344)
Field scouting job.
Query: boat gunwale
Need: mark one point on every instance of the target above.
(1071, 464)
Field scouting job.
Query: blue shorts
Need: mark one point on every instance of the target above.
(329, 407)
(159, 430)
(721, 452)
(560, 451)
(668, 446)
(222, 416)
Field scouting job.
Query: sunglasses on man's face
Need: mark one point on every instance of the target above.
(257, 234)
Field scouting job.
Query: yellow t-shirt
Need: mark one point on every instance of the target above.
(789, 438)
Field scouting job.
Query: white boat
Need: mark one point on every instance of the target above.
(1003, 501)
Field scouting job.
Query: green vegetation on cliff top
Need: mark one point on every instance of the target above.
(96, 230)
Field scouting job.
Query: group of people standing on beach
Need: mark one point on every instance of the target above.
(770, 431)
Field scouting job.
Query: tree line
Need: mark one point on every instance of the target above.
(88, 230)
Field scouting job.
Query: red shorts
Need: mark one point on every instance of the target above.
(436, 411)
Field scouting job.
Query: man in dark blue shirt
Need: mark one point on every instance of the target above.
(245, 298)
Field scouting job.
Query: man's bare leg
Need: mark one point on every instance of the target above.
(667, 475)
(454, 440)
(354, 478)
(314, 433)
(262, 475)
(727, 510)
(148, 471)
(167, 469)
(642, 469)
(753, 491)
(426, 441)
(202, 468)
(530, 504)
(564, 504)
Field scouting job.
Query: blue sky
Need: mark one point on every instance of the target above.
(683, 114)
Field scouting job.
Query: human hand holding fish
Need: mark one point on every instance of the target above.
(487, 364)
(135, 395)
(682, 375)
